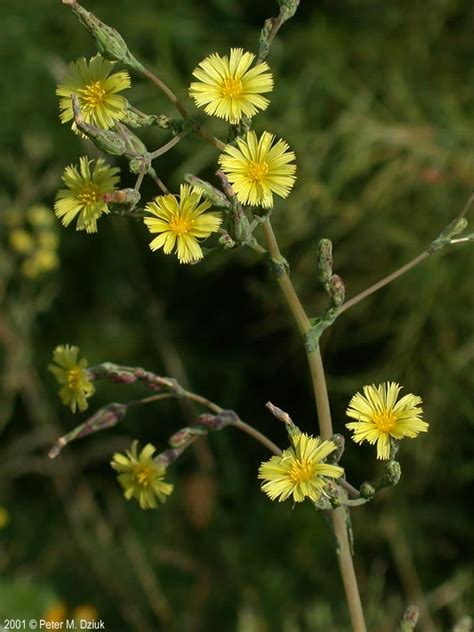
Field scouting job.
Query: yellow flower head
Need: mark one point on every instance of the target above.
(85, 612)
(299, 471)
(40, 216)
(21, 241)
(182, 222)
(72, 374)
(141, 477)
(4, 517)
(96, 90)
(258, 168)
(228, 89)
(56, 613)
(379, 416)
(84, 194)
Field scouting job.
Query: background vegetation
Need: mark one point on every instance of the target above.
(377, 101)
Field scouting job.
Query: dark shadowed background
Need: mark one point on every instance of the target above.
(377, 101)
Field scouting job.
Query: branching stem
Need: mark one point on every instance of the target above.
(345, 560)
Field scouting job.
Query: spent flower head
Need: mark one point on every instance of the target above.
(141, 476)
(84, 195)
(257, 168)
(228, 88)
(300, 470)
(96, 90)
(71, 372)
(380, 416)
(181, 222)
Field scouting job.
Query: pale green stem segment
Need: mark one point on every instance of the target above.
(338, 518)
(446, 238)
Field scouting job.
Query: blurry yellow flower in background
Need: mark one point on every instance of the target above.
(141, 477)
(40, 216)
(229, 88)
(33, 238)
(4, 517)
(379, 416)
(257, 168)
(72, 373)
(96, 90)
(56, 613)
(42, 261)
(21, 241)
(299, 471)
(85, 612)
(181, 222)
(83, 197)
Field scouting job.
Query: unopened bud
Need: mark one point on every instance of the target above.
(135, 119)
(135, 145)
(104, 418)
(409, 619)
(215, 197)
(185, 436)
(140, 164)
(339, 442)
(393, 473)
(218, 422)
(109, 41)
(288, 8)
(466, 624)
(324, 260)
(367, 490)
(127, 198)
(104, 139)
(226, 241)
(336, 290)
(452, 230)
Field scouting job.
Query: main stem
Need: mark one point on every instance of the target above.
(345, 560)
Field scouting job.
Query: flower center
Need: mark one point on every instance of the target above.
(385, 420)
(231, 88)
(74, 377)
(302, 471)
(180, 225)
(89, 195)
(144, 475)
(257, 171)
(94, 94)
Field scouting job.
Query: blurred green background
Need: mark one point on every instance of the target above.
(377, 101)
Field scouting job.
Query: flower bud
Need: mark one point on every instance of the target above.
(336, 290)
(135, 119)
(393, 473)
(325, 260)
(104, 418)
(367, 490)
(140, 163)
(126, 198)
(215, 197)
(409, 619)
(106, 140)
(339, 442)
(226, 241)
(185, 436)
(110, 43)
(466, 624)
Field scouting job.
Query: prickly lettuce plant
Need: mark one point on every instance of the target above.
(210, 219)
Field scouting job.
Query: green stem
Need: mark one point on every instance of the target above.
(168, 92)
(411, 264)
(345, 560)
(162, 150)
(207, 403)
(385, 281)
